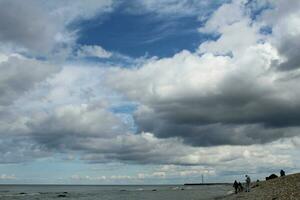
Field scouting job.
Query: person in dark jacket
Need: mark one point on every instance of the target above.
(282, 173)
(236, 186)
(240, 187)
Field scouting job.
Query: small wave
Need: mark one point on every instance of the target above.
(175, 188)
(19, 194)
(230, 192)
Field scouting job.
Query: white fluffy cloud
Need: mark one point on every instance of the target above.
(93, 51)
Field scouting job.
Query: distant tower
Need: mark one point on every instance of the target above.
(202, 178)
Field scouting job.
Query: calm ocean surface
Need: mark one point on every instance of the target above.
(171, 192)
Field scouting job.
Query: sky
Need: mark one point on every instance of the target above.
(148, 91)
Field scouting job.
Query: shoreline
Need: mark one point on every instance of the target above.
(191, 184)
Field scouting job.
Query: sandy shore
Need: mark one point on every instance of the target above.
(282, 188)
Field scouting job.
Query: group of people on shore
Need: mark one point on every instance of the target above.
(238, 187)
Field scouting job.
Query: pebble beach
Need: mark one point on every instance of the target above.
(281, 188)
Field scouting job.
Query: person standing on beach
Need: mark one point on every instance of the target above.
(248, 181)
(240, 187)
(236, 185)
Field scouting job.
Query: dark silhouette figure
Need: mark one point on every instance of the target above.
(282, 173)
(235, 185)
(240, 187)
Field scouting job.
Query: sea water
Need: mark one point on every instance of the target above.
(83, 192)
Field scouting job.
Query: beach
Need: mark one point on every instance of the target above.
(281, 188)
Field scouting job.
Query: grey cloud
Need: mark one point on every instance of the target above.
(290, 48)
(20, 149)
(26, 24)
(18, 75)
(138, 149)
(283, 17)
(100, 136)
(70, 126)
(237, 104)
(203, 123)
(97, 136)
(42, 27)
(214, 133)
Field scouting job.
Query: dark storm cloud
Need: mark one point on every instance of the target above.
(20, 149)
(237, 103)
(290, 48)
(203, 125)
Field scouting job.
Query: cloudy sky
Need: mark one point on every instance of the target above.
(148, 91)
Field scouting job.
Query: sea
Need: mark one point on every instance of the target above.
(129, 192)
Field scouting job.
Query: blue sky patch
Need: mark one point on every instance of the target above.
(140, 35)
(266, 30)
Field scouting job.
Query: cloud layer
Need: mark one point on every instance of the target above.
(234, 99)
(232, 91)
